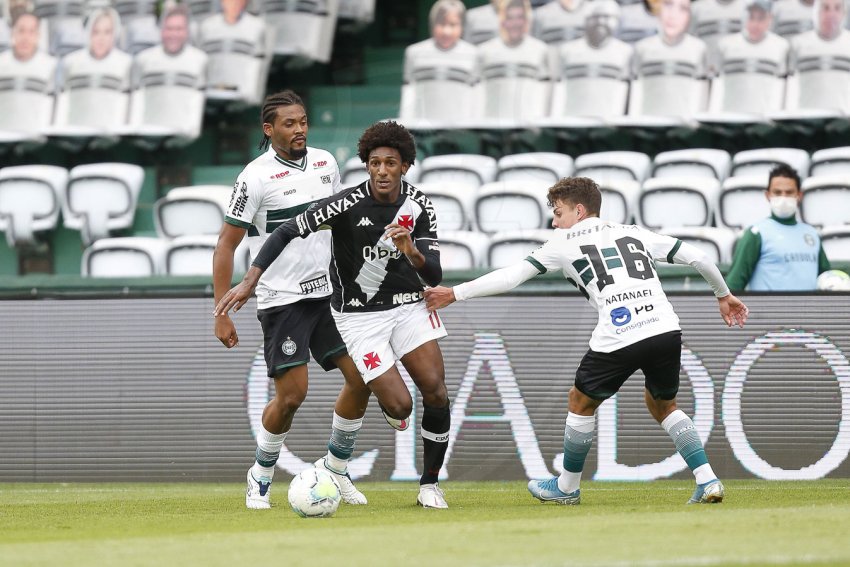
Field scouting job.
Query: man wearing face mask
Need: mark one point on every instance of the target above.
(779, 253)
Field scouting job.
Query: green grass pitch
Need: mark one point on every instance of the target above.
(488, 524)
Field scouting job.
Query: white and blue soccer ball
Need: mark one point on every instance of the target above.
(834, 280)
(314, 493)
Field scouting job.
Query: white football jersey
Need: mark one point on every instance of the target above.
(613, 265)
(271, 190)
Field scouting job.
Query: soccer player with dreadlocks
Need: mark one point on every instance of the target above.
(293, 295)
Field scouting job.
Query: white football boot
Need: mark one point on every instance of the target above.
(258, 493)
(431, 496)
(349, 492)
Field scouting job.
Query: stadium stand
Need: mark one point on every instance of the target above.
(176, 130)
(126, 257)
(511, 205)
(742, 201)
(463, 250)
(717, 242)
(100, 198)
(836, 242)
(511, 246)
(30, 197)
(692, 198)
(821, 198)
(195, 210)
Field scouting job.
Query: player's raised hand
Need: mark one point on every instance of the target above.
(225, 331)
(400, 237)
(439, 297)
(733, 310)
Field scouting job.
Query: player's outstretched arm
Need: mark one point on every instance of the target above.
(498, 281)
(733, 310)
(239, 295)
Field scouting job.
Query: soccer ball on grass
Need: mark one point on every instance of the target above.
(834, 280)
(314, 493)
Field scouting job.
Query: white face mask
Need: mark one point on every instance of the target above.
(783, 207)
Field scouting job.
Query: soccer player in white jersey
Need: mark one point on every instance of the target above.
(293, 295)
(613, 266)
(385, 251)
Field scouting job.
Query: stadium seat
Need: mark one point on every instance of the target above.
(469, 169)
(138, 19)
(513, 246)
(353, 172)
(713, 19)
(792, 17)
(742, 201)
(30, 201)
(463, 250)
(131, 256)
(760, 162)
(5, 35)
(28, 111)
(304, 29)
(239, 59)
(836, 242)
(590, 89)
(717, 242)
(453, 204)
(636, 22)
(619, 199)
(200, 9)
(826, 200)
(666, 202)
(190, 255)
(101, 197)
(511, 205)
(361, 11)
(831, 161)
(482, 24)
(703, 162)
(548, 167)
(191, 210)
(64, 21)
(608, 166)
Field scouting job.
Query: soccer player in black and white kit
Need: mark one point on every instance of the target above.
(613, 265)
(293, 295)
(385, 251)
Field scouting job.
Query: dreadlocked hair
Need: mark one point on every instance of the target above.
(269, 110)
(387, 134)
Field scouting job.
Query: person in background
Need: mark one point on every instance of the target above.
(440, 72)
(779, 253)
(482, 23)
(560, 20)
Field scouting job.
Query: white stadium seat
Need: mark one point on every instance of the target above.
(191, 255)
(305, 28)
(826, 200)
(353, 172)
(605, 166)
(191, 210)
(361, 11)
(470, 169)
(132, 256)
(703, 162)
(548, 167)
(742, 201)
(760, 162)
(453, 204)
(666, 202)
(463, 249)
(836, 242)
(513, 246)
(619, 199)
(831, 161)
(717, 242)
(101, 197)
(30, 201)
(511, 205)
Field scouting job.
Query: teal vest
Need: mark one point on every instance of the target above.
(788, 259)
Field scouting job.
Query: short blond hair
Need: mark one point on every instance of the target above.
(442, 7)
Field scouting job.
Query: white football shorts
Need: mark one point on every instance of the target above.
(377, 339)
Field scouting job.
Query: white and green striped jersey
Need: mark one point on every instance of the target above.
(613, 265)
(271, 190)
